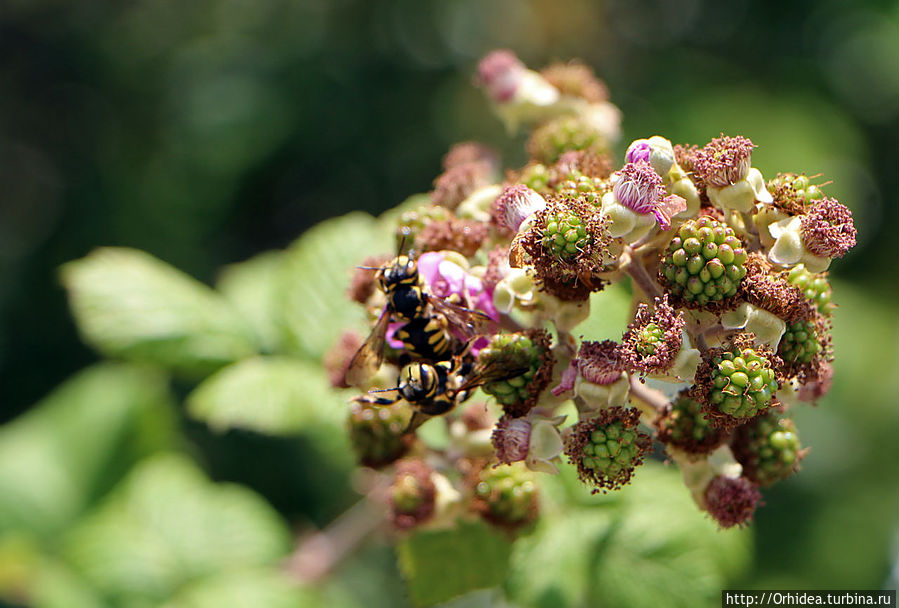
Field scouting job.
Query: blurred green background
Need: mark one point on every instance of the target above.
(205, 132)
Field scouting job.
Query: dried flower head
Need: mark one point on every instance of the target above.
(516, 204)
(337, 359)
(768, 290)
(464, 236)
(511, 439)
(828, 230)
(601, 362)
(723, 161)
(458, 182)
(606, 449)
(470, 152)
(732, 502)
(653, 340)
(364, 282)
(575, 79)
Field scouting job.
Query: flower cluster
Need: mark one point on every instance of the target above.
(730, 329)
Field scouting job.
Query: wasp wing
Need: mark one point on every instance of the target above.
(494, 371)
(465, 322)
(368, 358)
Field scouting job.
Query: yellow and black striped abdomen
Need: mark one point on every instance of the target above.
(426, 337)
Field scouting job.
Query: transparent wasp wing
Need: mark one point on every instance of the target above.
(465, 323)
(368, 358)
(495, 371)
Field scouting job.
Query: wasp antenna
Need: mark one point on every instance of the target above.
(368, 268)
(383, 390)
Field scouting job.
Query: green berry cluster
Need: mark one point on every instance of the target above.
(377, 433)
(536, 177)
(742, 383)
(583, 187)
(704, 261)
(800, 187)
(407, 493)
(564, 234)
(550, 141)
(511, 351)
(685, 424)
(799, 343)
(507, 495)
(612, 450)
(648, 339)
(815, 287)
(769, 449)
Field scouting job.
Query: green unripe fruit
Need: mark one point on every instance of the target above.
(535, 177)
(648, 339)
(704, 261)
(768, 449)
(412, 222)
(507, 494)
(685, 425)
(815, 287)
(742, 383)
(564, 234)
(800, 343)
(585, 188)
(511, 351)
(548, 142)
(612, 449)
(377, 433)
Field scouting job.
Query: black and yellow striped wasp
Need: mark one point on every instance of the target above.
(434, 328)
(434, 389)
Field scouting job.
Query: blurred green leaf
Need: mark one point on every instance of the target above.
(129, 304)
(263, 588)
(646, 546)
(77, 442)
(274, 395)
(439, 565)
(166, 526)
(317, 272)
(252, 289)
(610, 311)
(56, 586)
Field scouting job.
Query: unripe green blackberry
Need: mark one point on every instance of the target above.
(704, 261)
(815, 287)
(549, 141)
(536, 177)
(768, 448)
(648, 339)
(377, 433)
(743, 383)
(511, 351)
(794, 191)
(564, 234)
(506, 495)
(606, 449)
(587, 189)
(412, 494)
(412, 222)
(611, 450)
(684, 426)
(800, 343)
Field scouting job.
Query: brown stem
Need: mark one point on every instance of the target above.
(650, 396)
(634, 267)
(318, 553)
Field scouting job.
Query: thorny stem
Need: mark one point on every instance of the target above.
(317, 554)
(634, 267)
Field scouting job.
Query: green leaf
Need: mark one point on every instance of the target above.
(166, 526)
(263, 588)
(252, 288)
(317, 271)
(77, 442)
(439, 565)
(610, 311)
(273, 395)
(645, 545)
(131, 305)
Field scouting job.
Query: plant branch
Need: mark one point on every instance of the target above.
(634, 267)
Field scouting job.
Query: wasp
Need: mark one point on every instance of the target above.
(434, 389)
(433, 329)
